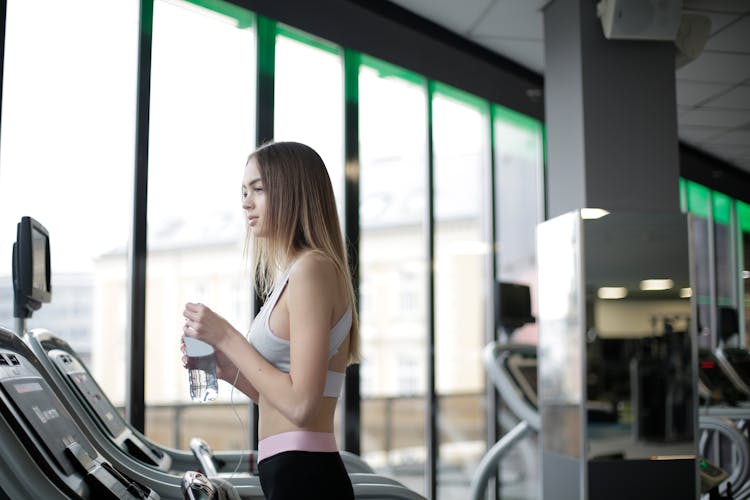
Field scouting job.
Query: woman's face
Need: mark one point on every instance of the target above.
(254, 199)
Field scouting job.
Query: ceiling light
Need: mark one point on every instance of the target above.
(593, 213)
(612, 292)
(656, 284)
(685, 293)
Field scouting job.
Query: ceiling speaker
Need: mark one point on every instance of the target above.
(691, 38)
(640, 19)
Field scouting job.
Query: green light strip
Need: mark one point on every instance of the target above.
(698, 199)
(266, 32)
(244, 18)
(743, 216)
(461, 96)
(518, 120)
(308, 39)
(722, 205)
(386, 70)
(352, 59)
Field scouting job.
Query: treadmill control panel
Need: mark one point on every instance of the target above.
(77, 375)
(30, 394)
(51, 435)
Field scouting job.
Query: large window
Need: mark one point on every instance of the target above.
(743, 220)
(519, 191)
(392, 267)
(697, 201)
(309, 100)
(461, 162)
(68, 129)
(519, 163)
(201, 133)
(719, 245)
(67, 156)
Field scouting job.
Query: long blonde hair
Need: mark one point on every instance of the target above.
(300, 215)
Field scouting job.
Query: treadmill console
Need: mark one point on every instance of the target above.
(523, 369)
(101, 408)
(711, 476)
(720, 387)
(739, 359)
(52, 437)
(76, 375)
(53, 427)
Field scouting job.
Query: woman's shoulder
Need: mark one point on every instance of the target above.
(315, 266)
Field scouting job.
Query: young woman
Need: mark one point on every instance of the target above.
(302, 340)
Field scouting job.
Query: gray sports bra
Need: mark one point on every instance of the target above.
(276, 350)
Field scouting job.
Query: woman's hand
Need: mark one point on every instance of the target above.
(202, 323)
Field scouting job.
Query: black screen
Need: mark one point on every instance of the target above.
(45, 414)
(38, 260)
(101, 405)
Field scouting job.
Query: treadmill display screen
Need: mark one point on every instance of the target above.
(741, 364)
(99, 402)
(529, 373)
(29, 387)
(52, 424)
(712, 376)
(524, 371)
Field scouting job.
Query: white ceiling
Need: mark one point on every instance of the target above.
(713, 91)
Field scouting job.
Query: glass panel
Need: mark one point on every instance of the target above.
(461, 152)
(392, 274)
(701, 279)
(519, 157)
(201, 132)
(519, 163)
(308, 104)
(743, 221)
(724, 255)
(67, 160)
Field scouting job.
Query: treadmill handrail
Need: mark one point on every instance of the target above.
(505, 386)
(729, 370)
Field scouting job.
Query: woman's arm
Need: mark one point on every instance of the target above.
(228, 372)
(310, 300)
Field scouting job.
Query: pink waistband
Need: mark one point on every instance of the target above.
(296, 441)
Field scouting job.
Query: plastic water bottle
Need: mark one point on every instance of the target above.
(201, 365)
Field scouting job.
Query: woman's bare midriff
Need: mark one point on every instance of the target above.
(273, 422)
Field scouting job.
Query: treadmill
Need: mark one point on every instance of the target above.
(734, 360)
(44, 452)
(720, 396)
(66, 369)
(102, 440)
(93, 406)
(513, 371)
(736, 363)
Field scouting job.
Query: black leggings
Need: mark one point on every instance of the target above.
(299, 475)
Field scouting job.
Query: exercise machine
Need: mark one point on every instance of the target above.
(127, 455)
(513, 371)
